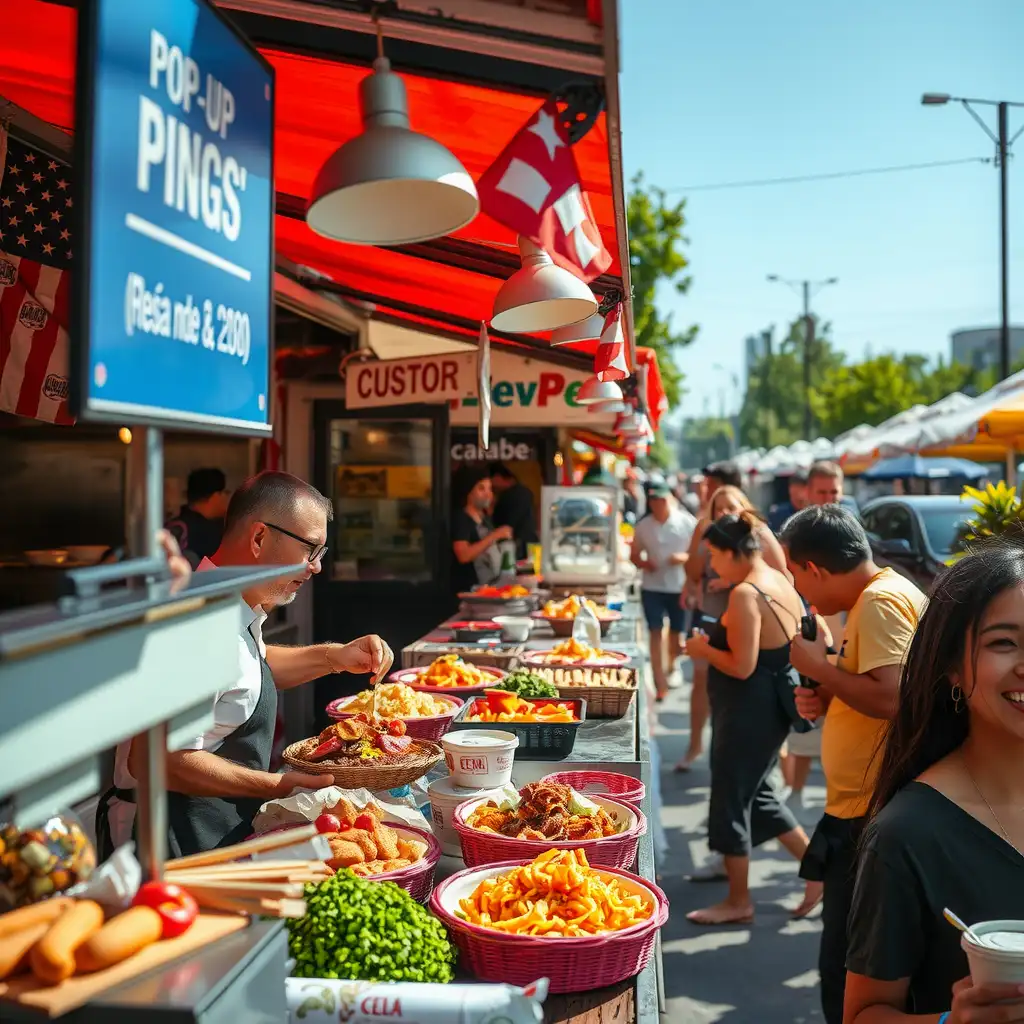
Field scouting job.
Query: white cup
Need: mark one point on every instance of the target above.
(1000, 957)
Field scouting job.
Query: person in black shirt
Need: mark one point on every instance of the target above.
(946, 824)
(199, 526)
(514, 507)
(475, 556)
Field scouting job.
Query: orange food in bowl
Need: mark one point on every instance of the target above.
(501, 706)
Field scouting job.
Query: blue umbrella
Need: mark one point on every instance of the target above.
(916, 467)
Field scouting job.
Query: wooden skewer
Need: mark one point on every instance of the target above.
(252, 907)
(281, 878)
(262, 844)
(256, 890)
(251, 869)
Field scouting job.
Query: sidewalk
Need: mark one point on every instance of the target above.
(765, 973)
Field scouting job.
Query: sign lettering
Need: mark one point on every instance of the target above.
(430, 379)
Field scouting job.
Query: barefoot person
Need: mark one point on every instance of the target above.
(946, 825)
(747, 650)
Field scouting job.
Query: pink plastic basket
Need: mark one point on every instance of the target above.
(411, 676)
(429, 728)
(618, 851)
(417, 879)
(619, 787)
(572, 965)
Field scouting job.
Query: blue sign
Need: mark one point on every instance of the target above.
(174, 287)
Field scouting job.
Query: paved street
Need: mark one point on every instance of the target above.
(764, 973)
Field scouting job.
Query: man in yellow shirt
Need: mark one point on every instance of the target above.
(829, 556)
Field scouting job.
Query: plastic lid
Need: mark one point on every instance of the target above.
(477, 738)
(1007, 941)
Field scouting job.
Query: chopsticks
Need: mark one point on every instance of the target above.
(222, 880)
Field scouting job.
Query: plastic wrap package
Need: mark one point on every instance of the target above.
(304, 808)
(114, 883)
(366, 1002)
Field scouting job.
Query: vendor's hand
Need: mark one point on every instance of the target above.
(292, 781)
(502, 533)
(808, 704)
(697, 646)
(808, 656)
(368, 654)
(986, 1004)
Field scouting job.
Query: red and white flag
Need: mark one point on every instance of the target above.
(35, 258)
(610, 358)
(534, 188)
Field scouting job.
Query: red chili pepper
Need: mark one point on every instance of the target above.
(327, 747)
(365, 822)
(176, 907)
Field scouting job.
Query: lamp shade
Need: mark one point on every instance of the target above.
(593, 391)
(540, 296)
(628, 423)
(586, 330)
(610, 408)
(390, 185)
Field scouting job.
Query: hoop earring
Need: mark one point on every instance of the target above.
(958, 699)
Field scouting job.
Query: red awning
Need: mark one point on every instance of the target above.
(316, 111)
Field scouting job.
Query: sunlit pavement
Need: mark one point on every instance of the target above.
(760, 973)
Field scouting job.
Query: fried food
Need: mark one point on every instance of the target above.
(373, 851)
(573, 652)
(559, 894)
(545, 812)
(571, 606)
(451, 670)
(396, 700)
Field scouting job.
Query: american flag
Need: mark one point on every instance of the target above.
(35, 257)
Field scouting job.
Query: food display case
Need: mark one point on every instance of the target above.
(580, 534)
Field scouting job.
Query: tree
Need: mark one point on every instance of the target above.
(656, 258)
(773, 407)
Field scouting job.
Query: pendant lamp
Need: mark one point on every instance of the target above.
(586, 330)
(540, 296)
(613, 408)
(628, 423)
(593, 391)
(390, 185)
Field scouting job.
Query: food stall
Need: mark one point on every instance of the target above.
(155, 654)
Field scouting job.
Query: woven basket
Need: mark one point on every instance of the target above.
(571, 964)
(409, 677)
(416, 879)
(421, 654)
(614, 784)
(373, 777)
(427, 727)
(618, 851)
(602, 701)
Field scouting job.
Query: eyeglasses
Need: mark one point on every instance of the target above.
(316, 551)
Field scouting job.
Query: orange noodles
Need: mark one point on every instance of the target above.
(558, 895)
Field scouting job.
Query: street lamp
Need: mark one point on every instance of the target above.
(1003, 144)
(809, 289)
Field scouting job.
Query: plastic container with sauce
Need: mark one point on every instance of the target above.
(1000, 957)
(480, 758)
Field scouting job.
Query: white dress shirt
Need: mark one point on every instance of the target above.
(231, 708)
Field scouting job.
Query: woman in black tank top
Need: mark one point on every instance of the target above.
(749, 676)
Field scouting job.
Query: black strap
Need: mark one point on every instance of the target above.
(768, 600)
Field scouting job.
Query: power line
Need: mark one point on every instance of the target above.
(829, 176)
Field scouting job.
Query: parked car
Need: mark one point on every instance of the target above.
(915, 534)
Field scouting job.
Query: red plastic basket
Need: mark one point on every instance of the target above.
(425, 728)
(617, 786)
(571, 964)
(410, 677)
(618, 851)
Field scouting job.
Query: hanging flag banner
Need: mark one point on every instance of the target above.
(533, 187)
(174, 164)
(483, 357)
(610, 358)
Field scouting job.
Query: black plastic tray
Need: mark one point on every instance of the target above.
(538, 741)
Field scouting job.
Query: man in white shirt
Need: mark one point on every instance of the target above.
(217, 782)
(661, 543)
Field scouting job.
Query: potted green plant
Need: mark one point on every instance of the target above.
(996, 511)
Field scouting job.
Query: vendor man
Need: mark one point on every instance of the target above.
(217, 782)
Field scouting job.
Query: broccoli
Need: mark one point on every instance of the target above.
(528, 685)
(362, 930)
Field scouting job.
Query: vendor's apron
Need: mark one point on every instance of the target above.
(199, 823)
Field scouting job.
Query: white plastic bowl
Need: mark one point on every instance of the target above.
(480, 758)
(514, 627)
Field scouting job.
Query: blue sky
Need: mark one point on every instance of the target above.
(731, 90)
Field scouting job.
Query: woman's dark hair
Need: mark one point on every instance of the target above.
(736, 534)
(724, 474)
(827, 535)
(928, 726)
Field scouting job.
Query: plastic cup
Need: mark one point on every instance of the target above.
(999, 959)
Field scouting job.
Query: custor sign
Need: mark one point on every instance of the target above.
(175, 145)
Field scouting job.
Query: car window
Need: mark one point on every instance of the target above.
(941, 526)
(900, 525)
(870, 521)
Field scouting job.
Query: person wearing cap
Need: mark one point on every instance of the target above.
(661, 543)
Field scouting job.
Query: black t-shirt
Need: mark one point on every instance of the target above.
(515, 508)
(464, 574)
(197, 536)
(924, 853)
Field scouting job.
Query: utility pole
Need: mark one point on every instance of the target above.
(808, 289)
(1003, 145)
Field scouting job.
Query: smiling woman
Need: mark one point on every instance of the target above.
(947, 825)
